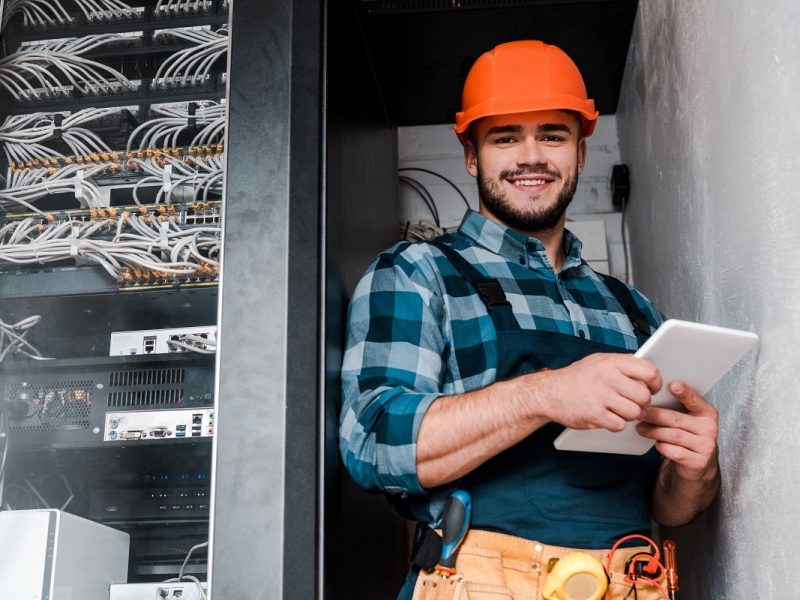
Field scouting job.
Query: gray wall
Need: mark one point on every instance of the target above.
(710, 126)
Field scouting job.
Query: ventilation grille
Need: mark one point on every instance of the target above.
(53, 406)
(147, 377)
(156, 397)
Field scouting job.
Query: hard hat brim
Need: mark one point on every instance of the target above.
(494, 107)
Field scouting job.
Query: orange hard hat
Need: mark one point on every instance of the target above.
(524, 76)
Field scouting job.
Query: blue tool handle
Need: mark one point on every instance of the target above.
(455, 523)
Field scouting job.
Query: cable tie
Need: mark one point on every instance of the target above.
(163, 229)
(166, 178)
(74, 241)
(79, 185)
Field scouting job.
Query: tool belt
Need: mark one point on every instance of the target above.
(495, 566)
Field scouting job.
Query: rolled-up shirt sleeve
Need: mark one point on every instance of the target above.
(392, 371)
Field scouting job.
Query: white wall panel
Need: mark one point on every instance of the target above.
(709, 126)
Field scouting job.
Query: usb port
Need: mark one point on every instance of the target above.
(179, 433)
(150, 344)
(196, 433)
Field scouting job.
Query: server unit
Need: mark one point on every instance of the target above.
(51, 554)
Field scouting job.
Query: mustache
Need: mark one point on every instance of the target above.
(530, 173)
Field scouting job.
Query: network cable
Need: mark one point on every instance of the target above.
(182, 577)
(440, 176)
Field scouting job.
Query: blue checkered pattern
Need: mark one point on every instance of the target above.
(417, 330)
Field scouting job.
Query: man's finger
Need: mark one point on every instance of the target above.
(643, 370)
(678, 437)
(694, 402)
(665, 417)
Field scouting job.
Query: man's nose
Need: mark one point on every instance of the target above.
(531, 153)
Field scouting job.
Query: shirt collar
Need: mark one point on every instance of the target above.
(512, 245)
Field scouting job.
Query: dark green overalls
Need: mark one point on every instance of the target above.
(532, 490)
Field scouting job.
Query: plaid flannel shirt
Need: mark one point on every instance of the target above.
(417, 331)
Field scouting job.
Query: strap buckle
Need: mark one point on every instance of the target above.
(491, 293)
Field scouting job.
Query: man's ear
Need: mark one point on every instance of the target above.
(470, 157)
(581, 155)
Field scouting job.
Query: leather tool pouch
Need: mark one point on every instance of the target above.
(480, 576)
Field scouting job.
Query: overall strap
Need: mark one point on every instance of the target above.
(489, 289)
(624, 296)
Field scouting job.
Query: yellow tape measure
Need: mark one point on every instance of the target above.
(576, 576)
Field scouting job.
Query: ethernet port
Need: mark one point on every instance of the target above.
(149, 344)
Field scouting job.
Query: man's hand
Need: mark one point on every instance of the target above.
(687, 439)
(599, 391)
(690, 480)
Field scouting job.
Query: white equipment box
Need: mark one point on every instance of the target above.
(164, 341)
(52, 555)
(186, 590)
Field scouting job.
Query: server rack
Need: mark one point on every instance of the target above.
(121, 439)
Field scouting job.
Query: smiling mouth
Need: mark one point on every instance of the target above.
(534, 183)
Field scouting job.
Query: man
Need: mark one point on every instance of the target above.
(468, 354)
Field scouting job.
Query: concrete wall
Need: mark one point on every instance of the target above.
(710, 126)
(436, 147)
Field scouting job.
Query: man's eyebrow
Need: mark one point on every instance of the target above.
(504, 129)
(553, 127)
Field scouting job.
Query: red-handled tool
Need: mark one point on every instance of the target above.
(671, 566)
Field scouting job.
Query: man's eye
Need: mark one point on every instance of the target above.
(552, 138)
(504, 140)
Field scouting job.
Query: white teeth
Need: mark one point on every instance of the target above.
(530, 182)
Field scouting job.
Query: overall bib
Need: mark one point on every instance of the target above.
(531, 490)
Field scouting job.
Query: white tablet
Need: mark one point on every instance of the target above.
(696, 354)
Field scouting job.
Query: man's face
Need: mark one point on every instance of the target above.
(527, 167)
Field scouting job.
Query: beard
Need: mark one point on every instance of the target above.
(527, 218)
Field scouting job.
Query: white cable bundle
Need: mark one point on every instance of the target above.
(22, 135)
(105, 10)
(37, 13)
(201, 169)
(38, 127)
(190, 66)
(81, 45)
(153, 248)
(29, 74)
(163, 132)
(71, 179)
(419, 231)
(12, 338)
(204, 175)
